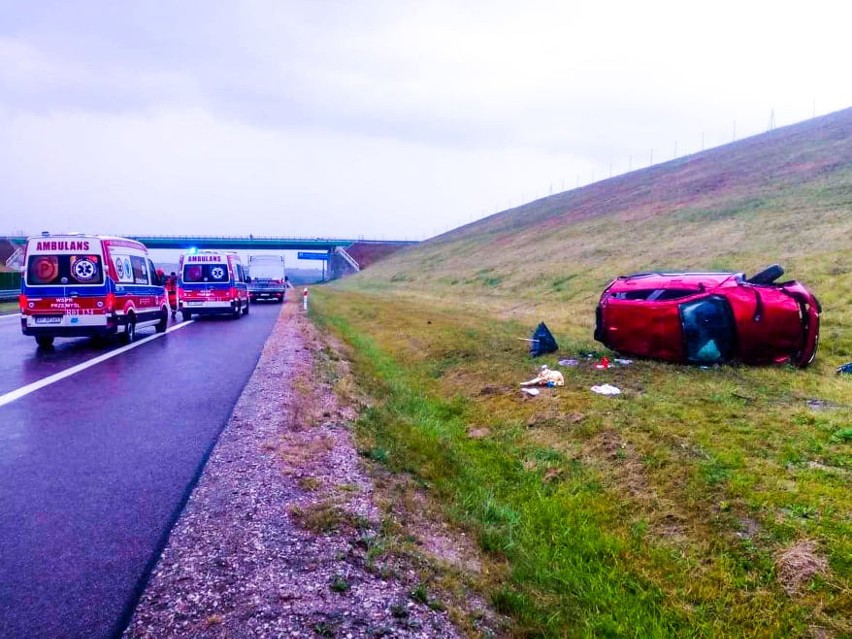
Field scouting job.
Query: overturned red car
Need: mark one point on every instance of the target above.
(710, 318)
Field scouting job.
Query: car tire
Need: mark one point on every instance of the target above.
(767, 275)
(161, 326)
(129, 334)
(44, 341)
(238, 311)
(248, 306)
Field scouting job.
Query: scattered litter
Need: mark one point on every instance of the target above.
(542, 341)
(821, 404)
(623, 362)
(604, 363)
(478, 433)
(530, 391)
(606, 389)
(546, 377)
(846, 369)
(568, 362)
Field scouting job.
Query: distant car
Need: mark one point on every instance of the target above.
(710, 318)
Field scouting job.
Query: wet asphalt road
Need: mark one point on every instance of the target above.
(95, 468)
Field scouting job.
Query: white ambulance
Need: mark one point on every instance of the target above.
(212, 282)
(82, 285)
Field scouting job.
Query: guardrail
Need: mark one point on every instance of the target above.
(9, 294)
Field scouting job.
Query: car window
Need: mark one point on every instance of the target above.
(64, 270)
(655, 294)
(205, 273)
(672, 293)
(140, 269)
(641, 294)
(708, 330)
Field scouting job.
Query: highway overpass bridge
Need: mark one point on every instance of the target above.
(343, 255)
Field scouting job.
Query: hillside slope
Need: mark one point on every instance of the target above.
(784, 196)
(700, 501)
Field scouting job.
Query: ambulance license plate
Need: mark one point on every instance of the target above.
(50, 319)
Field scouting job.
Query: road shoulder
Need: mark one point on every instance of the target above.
(285, 533)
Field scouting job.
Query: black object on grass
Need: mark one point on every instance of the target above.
(542, 341)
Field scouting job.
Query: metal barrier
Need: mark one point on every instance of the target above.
(9, 294)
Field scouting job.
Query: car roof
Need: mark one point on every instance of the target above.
(655, 280)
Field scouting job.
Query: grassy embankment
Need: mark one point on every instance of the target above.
(7, 308)
(696, 503)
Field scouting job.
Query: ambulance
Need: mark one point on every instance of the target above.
(212, 282)
(89, 285)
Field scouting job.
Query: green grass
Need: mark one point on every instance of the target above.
(657, 514)
(666, 511)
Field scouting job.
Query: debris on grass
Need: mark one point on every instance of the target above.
(542, 341)
(606, 389)
(798, 564)
(478, 433)
(546, 377)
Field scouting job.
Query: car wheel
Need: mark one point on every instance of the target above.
(767, 275)
(161, 326)
(44, 341)
(129, 334)
(238, 311)
(248, 306)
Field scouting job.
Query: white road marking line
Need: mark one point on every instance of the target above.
(47, 381)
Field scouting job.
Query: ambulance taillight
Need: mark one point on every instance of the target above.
(109, 302)
(22, 302)
(233, 292)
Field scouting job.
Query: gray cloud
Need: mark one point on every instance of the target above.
(397, 118)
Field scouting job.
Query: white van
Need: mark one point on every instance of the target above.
(81, 285)
(212, 282)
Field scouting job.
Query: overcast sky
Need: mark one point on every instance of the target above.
(383, 119)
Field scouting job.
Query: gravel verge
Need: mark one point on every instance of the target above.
(278, 539)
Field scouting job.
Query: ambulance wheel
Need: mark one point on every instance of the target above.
(129, 334)
(44, 341)
(238, 311)
(161, 326)
(246, 309)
